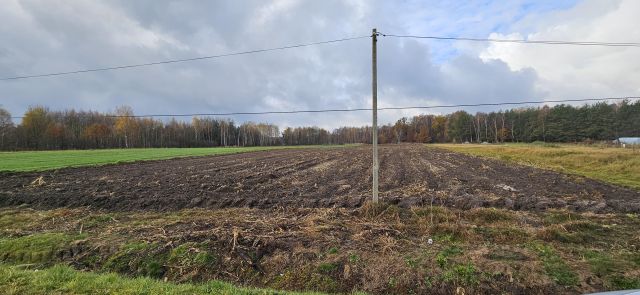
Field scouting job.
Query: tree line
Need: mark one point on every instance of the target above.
(43, 129)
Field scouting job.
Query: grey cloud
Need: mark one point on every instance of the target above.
(469, 79)
(58, 36)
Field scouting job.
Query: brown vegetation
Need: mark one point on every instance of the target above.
(379, 249)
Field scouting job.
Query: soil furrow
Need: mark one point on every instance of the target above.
(341, 177)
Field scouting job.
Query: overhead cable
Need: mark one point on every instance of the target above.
(369, 109)
(521, 41)
(120, 67)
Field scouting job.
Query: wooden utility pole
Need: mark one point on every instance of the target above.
(374, 95)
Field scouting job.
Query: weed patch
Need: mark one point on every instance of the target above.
(557, 217)
(506, 255)
(191, 256)
(97, 220)
(462, 274)
(620, 282)
(503, 235)
(17, 218)
(442, 258)
(138, 257)
(327, 267)
(37, 248)
(354, 258)
(554, 266)
(601, 263)
(577, 232)
(332, 251)
(490, 215)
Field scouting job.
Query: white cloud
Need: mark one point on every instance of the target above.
(578, 71)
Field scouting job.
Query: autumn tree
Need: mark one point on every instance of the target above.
(6, 126)
(440, 128)
(400, 130)
(97, 134)
(55, 135)
(34, 125)
(423, 135)
(125, 123)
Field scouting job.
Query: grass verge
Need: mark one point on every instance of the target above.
(381, 249)
(61, 279)
(614, 165)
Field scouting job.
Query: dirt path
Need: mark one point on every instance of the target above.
(409, 175)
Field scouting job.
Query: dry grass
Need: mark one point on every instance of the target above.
(610, 164)
(377, 248)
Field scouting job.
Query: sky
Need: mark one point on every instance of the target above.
(44, 36)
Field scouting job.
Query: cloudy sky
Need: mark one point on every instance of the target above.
(43, 36)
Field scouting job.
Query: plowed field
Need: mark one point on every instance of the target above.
(331, 177)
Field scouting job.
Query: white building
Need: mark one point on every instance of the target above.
(629, 140)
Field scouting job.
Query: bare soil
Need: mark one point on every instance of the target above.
(410, 175)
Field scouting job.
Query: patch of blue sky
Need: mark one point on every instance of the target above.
(476, 19)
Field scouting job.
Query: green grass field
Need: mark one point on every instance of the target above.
(614, 165)
(47, 160)
(61, 279)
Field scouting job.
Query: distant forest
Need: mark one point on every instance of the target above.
(43, 129)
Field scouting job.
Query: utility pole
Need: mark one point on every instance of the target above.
(374, 95)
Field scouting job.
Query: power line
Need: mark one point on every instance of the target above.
(521, 41)
(368, 109)
(182, 60)
(548, 42)
(511, 103)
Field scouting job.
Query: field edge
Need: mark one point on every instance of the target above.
(610, 165)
